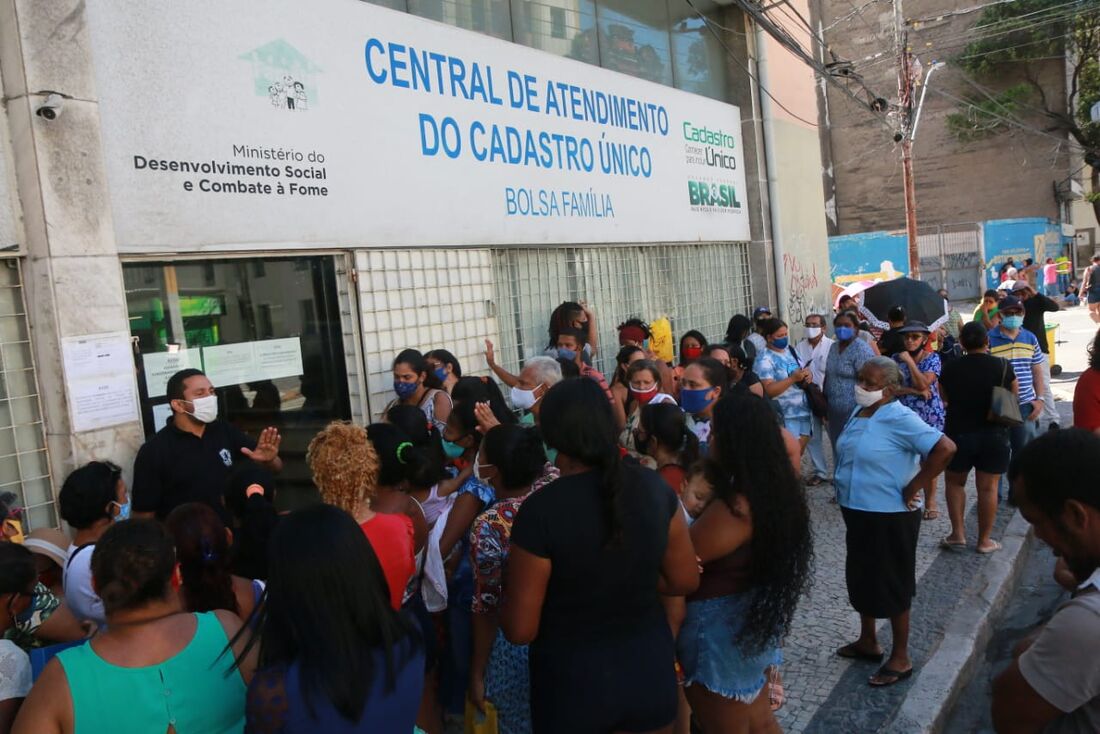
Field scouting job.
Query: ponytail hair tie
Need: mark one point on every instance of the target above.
(401, 449)
(207, 550)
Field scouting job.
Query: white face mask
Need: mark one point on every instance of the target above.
(205, 410)
(813, 332)
(523, 399)
(867, 398)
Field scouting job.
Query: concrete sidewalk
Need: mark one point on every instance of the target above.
(959, 598)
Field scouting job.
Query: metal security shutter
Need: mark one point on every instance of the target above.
(24, 465)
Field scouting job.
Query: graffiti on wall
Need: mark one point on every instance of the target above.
(803, 285)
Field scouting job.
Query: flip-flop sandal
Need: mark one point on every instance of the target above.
(895, 676)
(850, 652)
(995, 547)
(952, 545)
(814, 482)
(931, 514)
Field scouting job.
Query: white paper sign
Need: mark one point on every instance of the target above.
(229, 364)
(278, 358)
(161, 414)
(99, 376)
(160, 366)
(348, 124)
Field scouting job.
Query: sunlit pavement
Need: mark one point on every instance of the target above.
(827, 694)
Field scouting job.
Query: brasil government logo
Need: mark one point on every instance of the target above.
(710, 196)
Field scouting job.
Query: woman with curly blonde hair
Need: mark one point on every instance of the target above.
(345, 469)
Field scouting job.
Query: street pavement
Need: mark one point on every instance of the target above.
(825, 693)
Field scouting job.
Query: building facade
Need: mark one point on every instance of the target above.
(286, 199)
(1017, 173)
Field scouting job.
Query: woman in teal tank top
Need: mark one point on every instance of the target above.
(154, 669)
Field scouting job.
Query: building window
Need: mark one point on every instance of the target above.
(562, 27)
(634, 38)
(698, 58)
(273, 361)
(264, 326)
(557, 22)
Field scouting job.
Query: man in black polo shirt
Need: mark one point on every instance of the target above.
(190, 459)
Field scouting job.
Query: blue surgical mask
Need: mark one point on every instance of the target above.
(123, 512)
(695, 401)
(781, 343)
(551, 454)
(1012, 322)
(405, 389)
(567, 354)
(845, 333)
(441, 373)
(452, 449)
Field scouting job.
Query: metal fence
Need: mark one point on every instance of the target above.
(951, 257)
(695, 286)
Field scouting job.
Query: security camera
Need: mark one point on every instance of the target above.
(51, 108)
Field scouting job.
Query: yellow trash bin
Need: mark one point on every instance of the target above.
(1052, 335)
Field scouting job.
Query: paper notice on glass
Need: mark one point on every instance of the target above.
(99, 377)
(160, 366)
(278, 358)
(161, 414)
(230, 364)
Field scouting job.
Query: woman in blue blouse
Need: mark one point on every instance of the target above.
(879, 473)
(920, 392)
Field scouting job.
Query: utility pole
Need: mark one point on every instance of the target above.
(905, 120)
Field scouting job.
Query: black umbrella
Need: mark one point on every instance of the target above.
(920, 301)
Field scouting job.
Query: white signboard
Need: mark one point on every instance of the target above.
(278, 123)
(99, 377)
(160, 366)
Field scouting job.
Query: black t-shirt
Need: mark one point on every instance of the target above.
(175, 467)
(1094, 280)
(1035, 322)
(891, 343)
(968, 385)
(741, 387)
(597, 591)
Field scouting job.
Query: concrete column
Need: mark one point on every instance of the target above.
(72, 274)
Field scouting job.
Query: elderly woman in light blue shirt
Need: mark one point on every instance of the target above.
(879, 473)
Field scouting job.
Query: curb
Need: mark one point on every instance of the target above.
(942, 678)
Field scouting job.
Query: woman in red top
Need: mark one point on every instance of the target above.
(1086, 396)
(345, 469)
(662, 433)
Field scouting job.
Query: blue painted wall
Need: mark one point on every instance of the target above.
(871, 255)
(1019, 239)
(868, 256)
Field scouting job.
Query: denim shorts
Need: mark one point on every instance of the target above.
(710, 656)
(799, 426)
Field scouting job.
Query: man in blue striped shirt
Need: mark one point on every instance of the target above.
(1020, 347)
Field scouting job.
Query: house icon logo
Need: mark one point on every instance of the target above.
(283, 75)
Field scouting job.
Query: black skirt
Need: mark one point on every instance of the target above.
(881, 566)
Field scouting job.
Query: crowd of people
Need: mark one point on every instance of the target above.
(587, 555)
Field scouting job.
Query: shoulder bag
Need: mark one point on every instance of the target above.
(1004, 409)
(819, 404)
